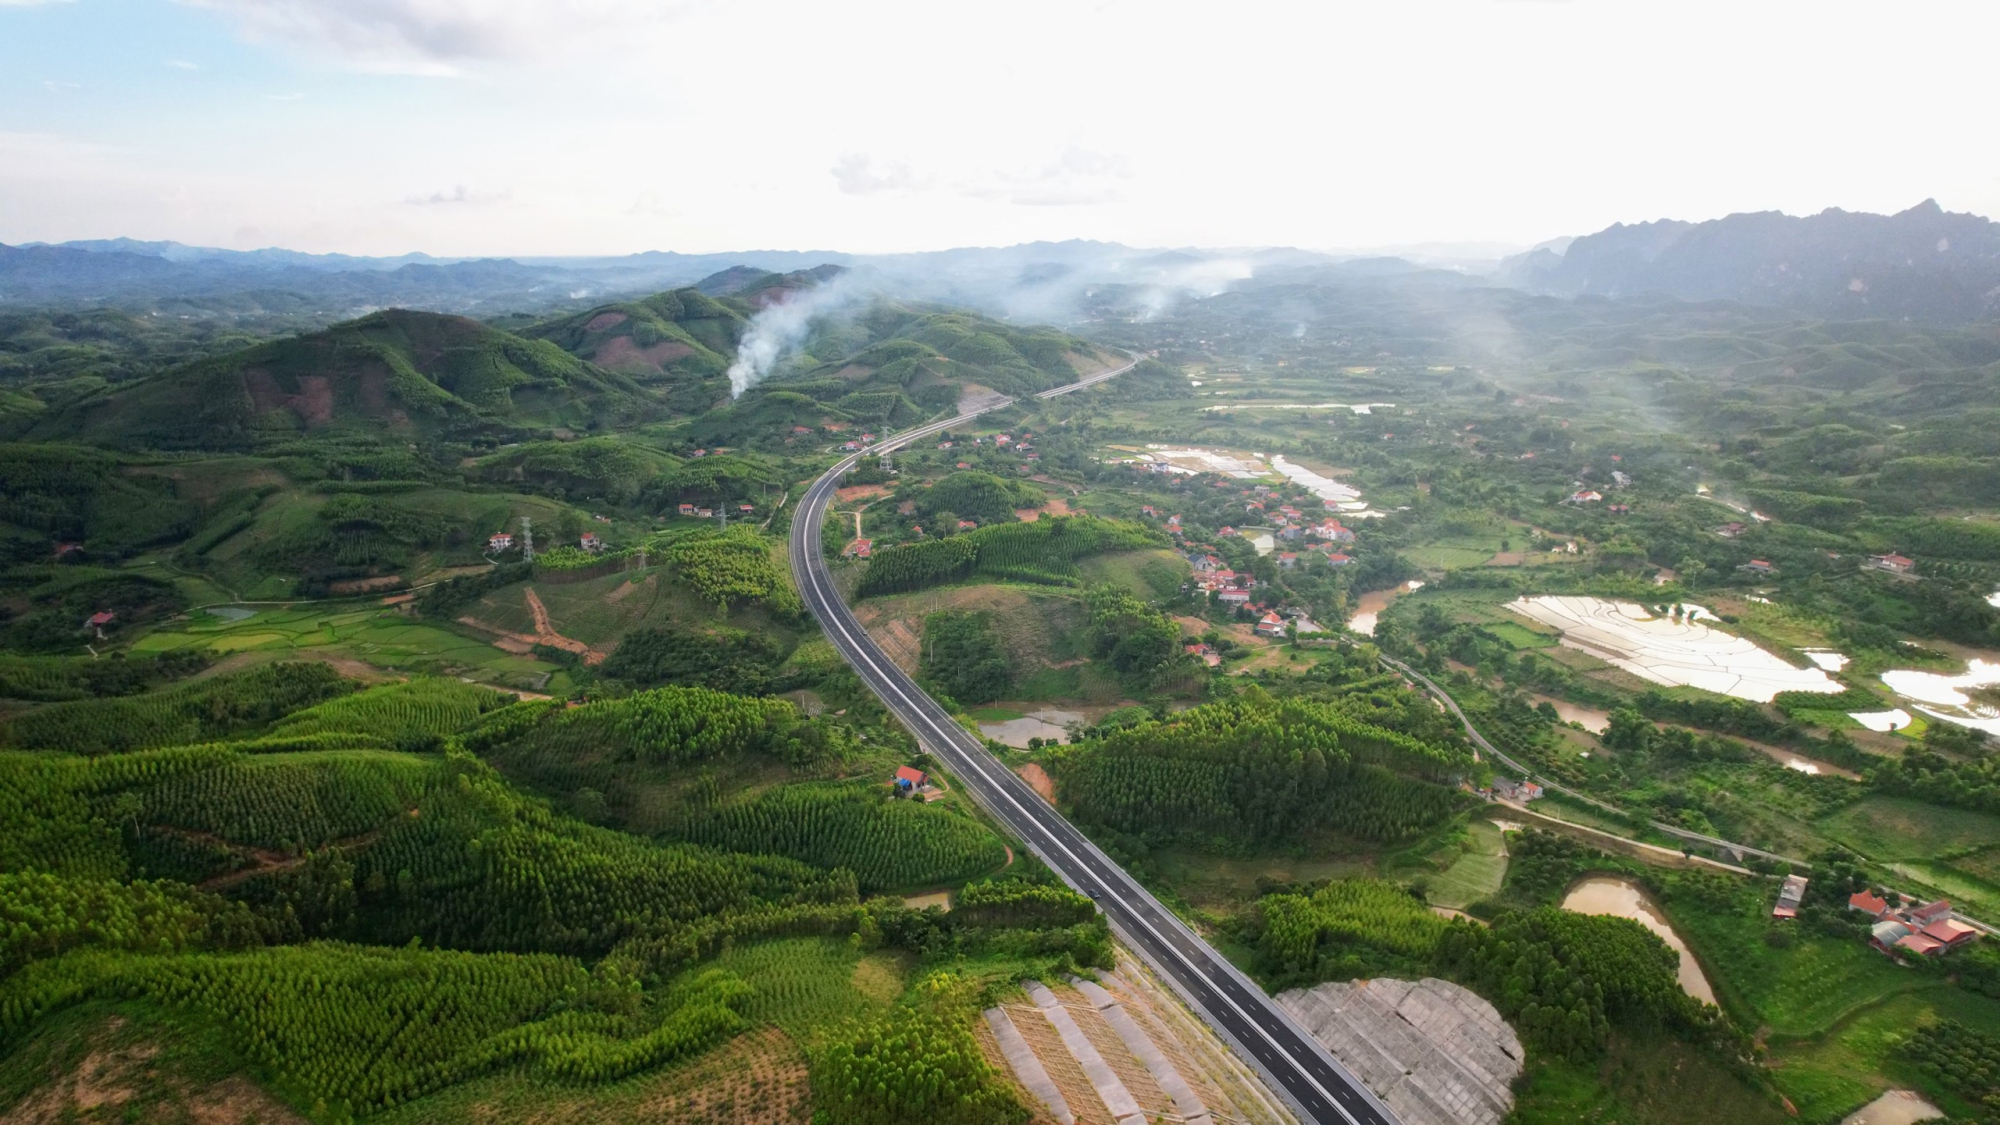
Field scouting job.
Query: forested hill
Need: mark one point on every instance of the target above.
(1925, 263)
(411, 373)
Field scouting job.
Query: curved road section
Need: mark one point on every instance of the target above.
(1319, 1089)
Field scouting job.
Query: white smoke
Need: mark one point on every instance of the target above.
(778, 330)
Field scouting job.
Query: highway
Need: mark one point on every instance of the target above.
(1317, 1087)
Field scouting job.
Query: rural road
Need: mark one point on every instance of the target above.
(1318, 1088)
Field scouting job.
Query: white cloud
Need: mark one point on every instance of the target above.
(858, 174)
(182, 64)
(460, 196)
(432, 37)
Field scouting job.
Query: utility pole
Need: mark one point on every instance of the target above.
(527, 539)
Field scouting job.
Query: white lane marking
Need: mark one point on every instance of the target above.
(816, 517)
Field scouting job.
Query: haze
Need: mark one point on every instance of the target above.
(608, 126)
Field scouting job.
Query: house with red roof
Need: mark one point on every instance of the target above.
(1205, 653)
(1894, 564)
(1270, 625)
(1287, 560)
(1234, 597)
(1869, 903)
(1339, 558)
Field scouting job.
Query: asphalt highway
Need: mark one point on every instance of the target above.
(1318, 1088)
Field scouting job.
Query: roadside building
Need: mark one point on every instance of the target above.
(1757, 566)
(502, 542)
(1271, 625)
(1789, 897)
(1894, 564)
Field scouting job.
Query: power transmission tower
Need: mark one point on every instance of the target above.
(527, 539)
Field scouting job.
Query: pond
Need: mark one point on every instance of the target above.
(1945, 697)
(1047, 725)
(1622, 898)
(1590, 719)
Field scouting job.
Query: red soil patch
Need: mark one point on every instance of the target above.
(312, 402)
(1039, 780)
(620, 354)
(605, 320)
(861, 492)
(545, 633)
(854, 371)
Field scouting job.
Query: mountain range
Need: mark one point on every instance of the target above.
(1923, 263)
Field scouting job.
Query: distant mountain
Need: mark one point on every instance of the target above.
(397, 373)
(1924, 263)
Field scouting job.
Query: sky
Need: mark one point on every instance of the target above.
(518, 127)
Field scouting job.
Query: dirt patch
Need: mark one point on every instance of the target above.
(123, 1082)
(626, 590)
(605, 320)
(1039, 780)
(620, 354)
(756, 1078)
(854, 372)
(347, 666)
(855, 492)
(1057, 506)
(365, 585)
(546, 634)
(1506, 558)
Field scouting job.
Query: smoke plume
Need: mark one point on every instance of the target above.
(780, 329)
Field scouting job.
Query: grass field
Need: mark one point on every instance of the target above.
(1520, 636)
(1477, 873)
(1149, 574)
(1642, 1080)
(1851, 1063)
(1901, 828)
(377, 636)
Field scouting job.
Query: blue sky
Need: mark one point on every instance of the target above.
(612, 126)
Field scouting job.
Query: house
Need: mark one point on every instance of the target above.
(1585, 496)
(967, 525)
(1949, 932)
(860, 548)
(1894, 564)
(1271, 625)
(1919, 943)
(964, 465)
(1921, 916)
(705, 513)
(1173, 521)
(1730, 530)
(1789, 897)
(746, 509)
(1234, 597)
(687, 509)
(1869, 903)
(1002, 439)
(1332, 530)
(866, 438)
(1885, 934)
(65, 550)
(909, 779)
(1620, 509)
(1253, 506)
(1756, 566)
(1507, 788)
(501, 542)
(1290, 532)
(591, 543)
(850, 446)
(1339, 558)
(1287, 560)
(97, 621)
(701, 453)
(802, 429)
(1147, 510)
(1226, 532)
(1206, 653)
(944, 445)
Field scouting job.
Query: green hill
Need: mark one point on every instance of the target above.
(410, 374)
(678, 342)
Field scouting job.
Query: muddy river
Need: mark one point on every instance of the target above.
(1622, 898)
(1373, 603)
